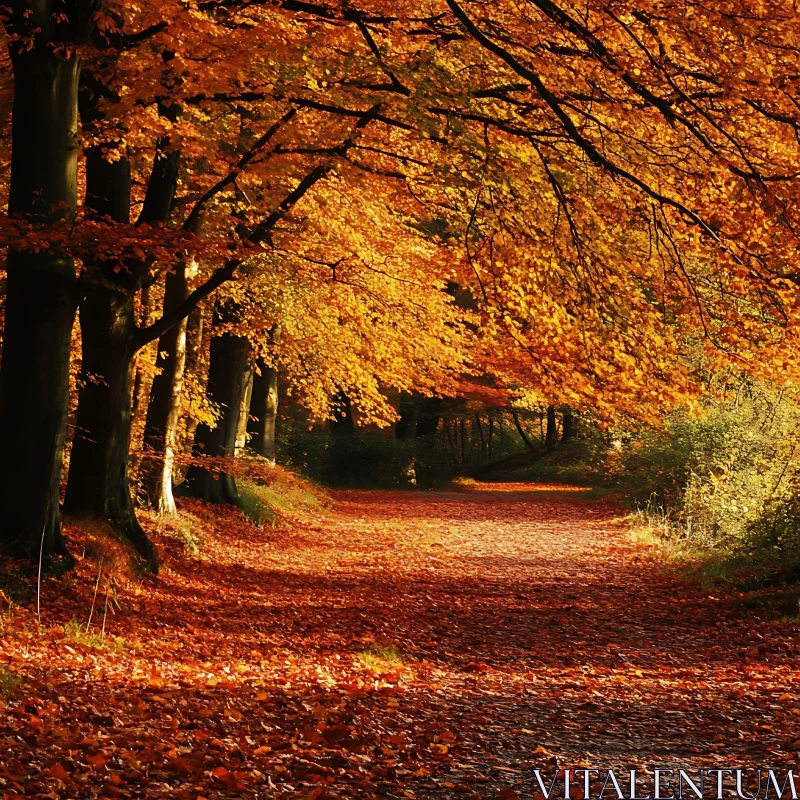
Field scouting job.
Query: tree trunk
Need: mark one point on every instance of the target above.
(264, 412)
(551, 435)
(41, 300)
(521, 431)
(479, 427)
(567, 425)
(98, 484)
(227, 380)
(408, 409)
(244, 413)
(430, 412)
(163, 410)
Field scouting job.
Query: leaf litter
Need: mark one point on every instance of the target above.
(409, 645)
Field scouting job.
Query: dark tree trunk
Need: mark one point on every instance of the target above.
(41, 299)
(451, 438)
(521, 431)
(567, 426)
(227, 381)
(479, 427)
(264, 412)
(98, 484)
(408, 409)
(551, 435)
(430, 412)
(163, 411)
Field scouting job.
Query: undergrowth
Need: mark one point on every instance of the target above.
(381, 658)
(9, 682)
(717, 491)
(80, 633)
(272, 494)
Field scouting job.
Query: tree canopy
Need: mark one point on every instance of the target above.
(592, 204)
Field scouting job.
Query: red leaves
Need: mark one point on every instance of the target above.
(97, 761)
(227, 779)
(57, 771)
(333, 659)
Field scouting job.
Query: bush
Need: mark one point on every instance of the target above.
(727, 485)
(268, 493)
(577, 462)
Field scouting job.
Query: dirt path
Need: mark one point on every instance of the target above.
(562, 634)
(404, 645)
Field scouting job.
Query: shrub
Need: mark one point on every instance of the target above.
(726, 484)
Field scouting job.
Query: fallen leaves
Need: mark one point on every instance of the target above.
(246, 679)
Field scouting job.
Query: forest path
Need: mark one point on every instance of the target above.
(562, 641)
(399, 645)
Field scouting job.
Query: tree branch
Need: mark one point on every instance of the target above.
(262, 233)
(192, 222)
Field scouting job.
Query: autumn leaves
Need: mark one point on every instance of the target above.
(613, 190)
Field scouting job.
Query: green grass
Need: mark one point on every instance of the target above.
(9, 682)
(76, 631)
(257, 504)
(381, 658)
(264, 505)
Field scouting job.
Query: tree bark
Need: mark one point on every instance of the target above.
(551, 434)
(479, 427)
(244, 412)
(264, 412)
(430, 413)
(163, 411)
(567, 425)
(41, 299)
(520, 430)
(408, 409)
(98, 484)
(227, 381)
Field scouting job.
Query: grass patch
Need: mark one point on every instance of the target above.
(189, 537)
(77, 632)
(9, 682)
(266, 503)
(255, 502)
(381, 659)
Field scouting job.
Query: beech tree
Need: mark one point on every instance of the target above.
(606, 180)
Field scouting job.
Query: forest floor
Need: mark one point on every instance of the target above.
(399, 644)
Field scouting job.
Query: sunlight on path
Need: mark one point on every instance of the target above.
(401, 645)
(555, 631)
